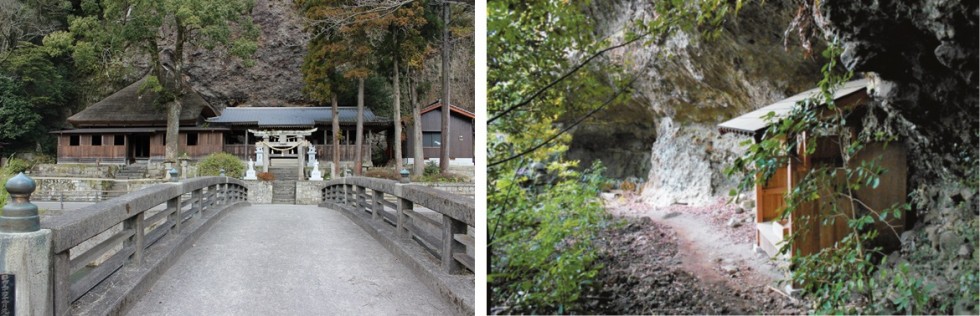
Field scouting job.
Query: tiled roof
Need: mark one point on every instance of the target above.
(291, 116)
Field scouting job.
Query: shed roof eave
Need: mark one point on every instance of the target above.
(753, 122)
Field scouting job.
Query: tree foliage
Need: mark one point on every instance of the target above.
(109, 31)
(35, 88)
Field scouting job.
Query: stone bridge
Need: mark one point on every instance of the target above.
(198, 247)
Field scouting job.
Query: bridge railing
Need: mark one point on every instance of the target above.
(94, 244)
(402, 213)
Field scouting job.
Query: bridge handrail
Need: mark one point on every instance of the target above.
(138, 234)
(458, 214)
(79, 225)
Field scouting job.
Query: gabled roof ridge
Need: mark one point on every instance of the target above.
(438, 104)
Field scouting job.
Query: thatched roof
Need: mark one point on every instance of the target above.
(127, 107)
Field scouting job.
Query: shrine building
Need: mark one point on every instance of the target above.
(129, 127)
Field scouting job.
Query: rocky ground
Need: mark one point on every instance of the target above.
(654, 266)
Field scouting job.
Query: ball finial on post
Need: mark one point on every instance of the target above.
(19, 215)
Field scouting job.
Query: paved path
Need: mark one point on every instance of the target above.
(289, 260)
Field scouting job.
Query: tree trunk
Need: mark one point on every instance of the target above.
(444, 135)
(418, 155)
(336, 134)
(175, 85)
(398, 121)
(173, 126)
(360, 127)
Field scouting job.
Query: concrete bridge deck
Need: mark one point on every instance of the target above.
(289, 260)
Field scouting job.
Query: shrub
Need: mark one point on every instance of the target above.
(16, 165)
(213, 163)
(540, 241)
(3, 191)
(431, 169)
(441, 177)
(265, 176)
(383, 173)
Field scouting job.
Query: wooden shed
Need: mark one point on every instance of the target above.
(772, 228)
(461, 130)
(128, 126)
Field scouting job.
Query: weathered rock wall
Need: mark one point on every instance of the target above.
(274, 80)
(924, 58)
(691, 84)
(687, 164)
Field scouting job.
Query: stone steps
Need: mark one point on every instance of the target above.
(134, 171)
(288, 174)
(284, 191)
(128, 172)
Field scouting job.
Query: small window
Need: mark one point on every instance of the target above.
(431, 139)
(119, 140)
(96, 139)
(73, 140)
(164, 139)
(191, 139)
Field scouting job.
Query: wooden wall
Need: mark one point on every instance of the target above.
(84, 151)
(461, 136)
(808, 219)
(207, 143)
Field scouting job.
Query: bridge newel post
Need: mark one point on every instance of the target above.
(376, 197)
(173, 206)
(403, 207)
(451, 227)
(361, 200)
(62, 282)
(137, 240)
(27, 260)
(344, 196)
(196, 201)
(220, 200)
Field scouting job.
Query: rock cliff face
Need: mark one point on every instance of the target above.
(670, 139)
(924, 56)
(274, 80)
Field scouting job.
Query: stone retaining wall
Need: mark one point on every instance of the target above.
(309, 192)
(455, 188)
(83, 189)
(74, 170)
(259, 192)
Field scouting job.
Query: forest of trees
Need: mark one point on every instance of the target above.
(355, 40)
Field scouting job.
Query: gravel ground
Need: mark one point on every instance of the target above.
(643, 275)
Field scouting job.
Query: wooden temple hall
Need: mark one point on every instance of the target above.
(772, 228)
(127, 127)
